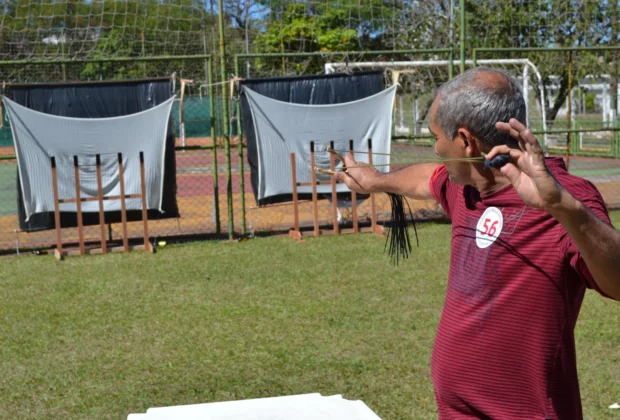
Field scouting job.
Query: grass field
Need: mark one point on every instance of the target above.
(101, 337)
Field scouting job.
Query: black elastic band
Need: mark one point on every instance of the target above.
(398, 234)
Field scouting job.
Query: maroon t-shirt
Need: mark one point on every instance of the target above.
(505, 347)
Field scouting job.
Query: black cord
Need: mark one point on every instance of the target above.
(398, 234)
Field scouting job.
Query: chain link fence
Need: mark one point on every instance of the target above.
(571, 84)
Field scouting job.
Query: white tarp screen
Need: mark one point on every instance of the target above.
(283, 128)
(40, 136)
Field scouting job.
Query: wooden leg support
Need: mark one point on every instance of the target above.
(297, 235)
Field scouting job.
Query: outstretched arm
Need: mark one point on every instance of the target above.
(597, 241)
(411, 181)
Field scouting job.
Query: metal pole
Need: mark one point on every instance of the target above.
(62, 52)
(105, 60)
(526, 94)
(241, 162)
(216, 189)
(225, 120)
(547, 49)
(247, 37)
(451, 55)
(340, 53)
(462, 11)
(203, 25)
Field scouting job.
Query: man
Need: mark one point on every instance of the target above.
(527, 240)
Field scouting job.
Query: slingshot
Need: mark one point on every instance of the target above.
(398, 234)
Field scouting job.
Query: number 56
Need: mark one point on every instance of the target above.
(492, 230)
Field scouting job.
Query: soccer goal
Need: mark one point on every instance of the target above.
(419, 79)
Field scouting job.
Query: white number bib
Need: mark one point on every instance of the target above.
(489, 227)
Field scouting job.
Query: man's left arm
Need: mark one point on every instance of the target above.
(597, 241)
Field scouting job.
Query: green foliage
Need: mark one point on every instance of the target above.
(301, 32)
(590, 106)
(114, 45)
(324, 30)
(548, 23)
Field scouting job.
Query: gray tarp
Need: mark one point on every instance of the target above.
(283, 128)
(40, 136)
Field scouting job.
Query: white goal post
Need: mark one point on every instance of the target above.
(399, 68)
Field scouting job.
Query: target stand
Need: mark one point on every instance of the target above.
(296, 232)
(78, 200)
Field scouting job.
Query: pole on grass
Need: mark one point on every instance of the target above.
(78, 204)
(240, 145)
(353, 196)
(225, 120)
(56, 207)
(332, 166)
(145, 218)
(216, 188)
(373, 206)
(104, 245)
(315, 200)
(121, 181)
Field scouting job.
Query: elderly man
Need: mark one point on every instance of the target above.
(527, 240)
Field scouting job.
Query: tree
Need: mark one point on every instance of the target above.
(546, 23)
(299, 29)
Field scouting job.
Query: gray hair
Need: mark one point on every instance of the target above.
(468, 102)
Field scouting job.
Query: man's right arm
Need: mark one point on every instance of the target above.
(411, 181)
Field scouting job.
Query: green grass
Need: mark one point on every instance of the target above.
(101, 337)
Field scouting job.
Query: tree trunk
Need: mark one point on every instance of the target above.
(552, 112)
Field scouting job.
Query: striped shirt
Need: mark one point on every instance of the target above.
(505, 346)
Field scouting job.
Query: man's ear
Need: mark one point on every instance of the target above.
(467, 142)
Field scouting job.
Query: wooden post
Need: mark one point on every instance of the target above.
(353, 196)
(295, 233)
(332, 166)
(104, 244)
(121, 179)
(78, 204)
(315, 200)
(295, 197)
(147, 244)
(56, 210)
(373, 207)
(100, 198)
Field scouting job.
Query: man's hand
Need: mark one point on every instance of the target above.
(527, 170)
(598, 241)
(359, 179)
